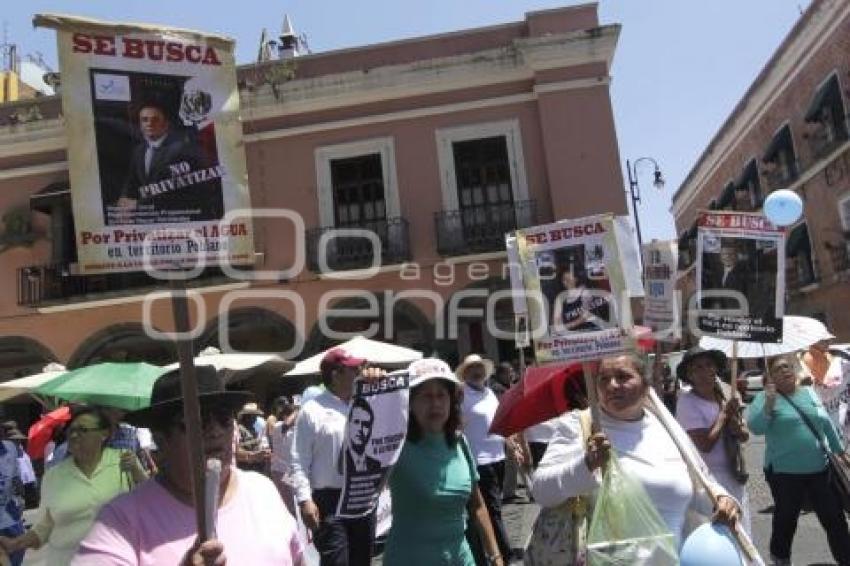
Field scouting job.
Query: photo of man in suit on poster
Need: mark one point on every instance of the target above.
(360, 423)
(727, 270)
(166, 153)
(157, 151)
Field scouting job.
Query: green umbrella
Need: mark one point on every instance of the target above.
(125, 386)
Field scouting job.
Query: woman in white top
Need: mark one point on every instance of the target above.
(713, 422)
(830, 376)
(644, 447)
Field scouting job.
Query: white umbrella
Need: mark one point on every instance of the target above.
(242, 365)
(375, 352)
(798, 333)
(22, 386)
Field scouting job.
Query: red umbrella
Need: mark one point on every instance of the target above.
(41, 432)
(537, 398)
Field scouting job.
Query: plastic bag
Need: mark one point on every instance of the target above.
(626, 529)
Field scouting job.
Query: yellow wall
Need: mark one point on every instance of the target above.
(9, 86)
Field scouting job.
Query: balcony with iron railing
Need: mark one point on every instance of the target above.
(58, 283)
(343, 250)
(481, 229)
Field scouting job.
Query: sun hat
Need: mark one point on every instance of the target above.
(717, 356)
(167, 395)
(471, 360)
(250, 409)
(427, 369)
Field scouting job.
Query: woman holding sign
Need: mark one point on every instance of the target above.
(572, 467)
(434, 481)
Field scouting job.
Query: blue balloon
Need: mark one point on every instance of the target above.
(783, 207)
(710, 545)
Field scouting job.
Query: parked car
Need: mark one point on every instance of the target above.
(750, 382)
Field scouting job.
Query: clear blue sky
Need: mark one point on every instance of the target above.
(680, 67)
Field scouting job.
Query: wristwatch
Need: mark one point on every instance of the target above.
(492, 558)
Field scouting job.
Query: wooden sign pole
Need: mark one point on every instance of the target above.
(191, 404)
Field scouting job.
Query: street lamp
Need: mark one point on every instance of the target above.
(634, 189)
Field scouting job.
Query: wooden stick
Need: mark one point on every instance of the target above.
(733, 369)
(191, 404)
(593, 401)
(744, 542)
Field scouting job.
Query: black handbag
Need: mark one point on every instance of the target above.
(838, 471)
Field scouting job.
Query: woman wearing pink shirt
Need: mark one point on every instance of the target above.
(155, 524)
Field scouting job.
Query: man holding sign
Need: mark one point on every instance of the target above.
(317, 466)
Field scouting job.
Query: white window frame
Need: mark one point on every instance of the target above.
(845, 222)
(509, 129)
(384, 146)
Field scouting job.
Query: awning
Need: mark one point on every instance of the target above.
(750, 176)
(727, 197)
(780, 141)
(43, 200)
(749, 173)
(827, 94)
(798, 241)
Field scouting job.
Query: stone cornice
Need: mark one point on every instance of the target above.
(519, 60)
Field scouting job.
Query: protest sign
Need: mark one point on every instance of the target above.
(155, 152)
(740, 276)
(660, 307)
(375, 432)
(575, 289)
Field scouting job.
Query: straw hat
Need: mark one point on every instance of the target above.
(250, 409)
(471, 360)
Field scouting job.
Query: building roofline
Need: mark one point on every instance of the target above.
(759, 81)
(431, 37)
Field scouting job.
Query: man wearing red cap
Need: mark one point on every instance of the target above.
(317, 471)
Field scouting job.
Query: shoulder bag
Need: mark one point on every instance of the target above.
(838, 473)
(559, 534)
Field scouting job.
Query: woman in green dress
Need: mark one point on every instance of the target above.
(434, 482)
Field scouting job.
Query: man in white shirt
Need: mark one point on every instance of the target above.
(317, 469)
(479, 408)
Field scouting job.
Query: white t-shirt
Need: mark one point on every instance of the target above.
(479, 408)
(694, 412)
(542, 432)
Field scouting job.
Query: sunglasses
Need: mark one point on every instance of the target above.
(221, 416)
(74, 430)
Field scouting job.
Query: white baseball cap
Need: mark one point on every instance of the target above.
(422, 370)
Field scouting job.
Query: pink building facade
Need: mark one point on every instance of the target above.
(437, 145)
